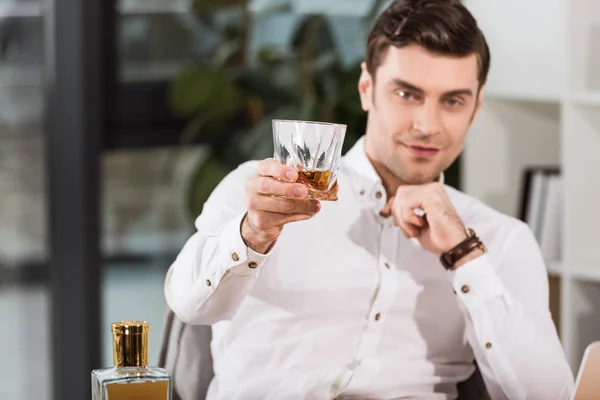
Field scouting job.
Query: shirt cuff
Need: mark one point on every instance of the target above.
(476, 282)
(238, 258)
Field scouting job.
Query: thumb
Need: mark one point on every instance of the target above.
(387, 209)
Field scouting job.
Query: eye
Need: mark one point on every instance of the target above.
(453, 103)
(403, 94)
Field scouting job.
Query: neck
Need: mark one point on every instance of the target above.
(390, 182)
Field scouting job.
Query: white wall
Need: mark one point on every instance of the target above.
(520, 122)
(508, 136)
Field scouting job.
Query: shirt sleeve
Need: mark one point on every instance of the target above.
(508, 322)
(215, 270)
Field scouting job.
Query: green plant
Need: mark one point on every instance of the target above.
(231, 95)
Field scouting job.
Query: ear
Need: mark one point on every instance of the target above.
(365, 88)
(477, 106)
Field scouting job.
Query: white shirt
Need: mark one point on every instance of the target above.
(345, 305)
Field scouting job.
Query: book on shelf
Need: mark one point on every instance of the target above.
(542, 207)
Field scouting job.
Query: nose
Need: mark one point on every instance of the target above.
(427, 119)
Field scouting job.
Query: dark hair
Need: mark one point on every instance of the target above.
(444, 27)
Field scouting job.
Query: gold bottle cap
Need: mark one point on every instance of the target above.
(130, 343)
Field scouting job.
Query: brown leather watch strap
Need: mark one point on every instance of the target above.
(449, 258)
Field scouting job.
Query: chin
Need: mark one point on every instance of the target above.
(419, 178)
(414, 172)
(419, 172)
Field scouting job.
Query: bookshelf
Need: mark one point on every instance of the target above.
(542, 107)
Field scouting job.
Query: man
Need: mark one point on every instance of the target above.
(364, 298)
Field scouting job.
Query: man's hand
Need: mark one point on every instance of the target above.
(440, 229)
(273, 200)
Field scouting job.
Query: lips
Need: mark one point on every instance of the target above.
(422, 151)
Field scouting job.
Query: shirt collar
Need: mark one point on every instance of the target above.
(365, 181)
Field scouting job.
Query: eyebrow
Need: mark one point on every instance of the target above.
(411, 87)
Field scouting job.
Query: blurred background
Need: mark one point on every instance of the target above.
(119, 117)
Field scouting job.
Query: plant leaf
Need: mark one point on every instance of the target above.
(261, 83)
(192, 90)
(224, 52)
(202, 90)
(204, 180)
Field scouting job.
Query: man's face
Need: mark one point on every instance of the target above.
(420, 107)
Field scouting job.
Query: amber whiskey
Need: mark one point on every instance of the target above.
(131, 378)
(319, 184)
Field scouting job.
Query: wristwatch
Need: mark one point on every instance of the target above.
(451, 257)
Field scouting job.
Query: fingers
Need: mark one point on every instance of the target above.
(265, 220)
(274, 198)
(274, 169)
(282, 205)
(408, 230)
(388, 208)
(267, 186)
(412, 218)
(409, 223)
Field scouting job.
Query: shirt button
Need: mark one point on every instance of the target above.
(377, 317)
(362, 193)
(465, 289)
(378, 195)
(235, 257)
(252, 265)
(488, 345)
(387, 265)
(208, 282)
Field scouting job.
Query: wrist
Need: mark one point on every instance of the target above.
(256, 239)
(455, 239)
(468, 258)
(470, 248)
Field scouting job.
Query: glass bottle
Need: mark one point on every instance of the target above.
(131, 377)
